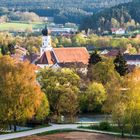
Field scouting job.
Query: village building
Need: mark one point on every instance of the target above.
(133, 60)
(72, 57)
(118, 31)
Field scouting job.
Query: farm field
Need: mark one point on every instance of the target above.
(19, 26)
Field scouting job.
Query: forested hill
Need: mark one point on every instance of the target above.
(123, 15)
(82, 4)
(62, 10)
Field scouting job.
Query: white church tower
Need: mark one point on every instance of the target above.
(46, 41)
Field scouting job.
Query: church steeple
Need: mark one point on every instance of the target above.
(46, 40)
(45, 31)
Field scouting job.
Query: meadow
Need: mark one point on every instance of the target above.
(21, 26)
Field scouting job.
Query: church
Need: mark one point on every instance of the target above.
(61, 57)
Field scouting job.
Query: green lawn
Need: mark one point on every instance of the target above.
(56, 131)
(18, 26)
(111, 129)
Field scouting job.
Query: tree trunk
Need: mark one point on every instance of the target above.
(122, 133)
(10, 126)
(15, 127)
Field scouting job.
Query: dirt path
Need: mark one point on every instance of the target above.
(75, 136)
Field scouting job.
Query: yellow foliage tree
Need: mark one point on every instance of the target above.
(20, 95)
(133, 103)
(124, 102)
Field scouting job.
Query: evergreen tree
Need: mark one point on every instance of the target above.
(121, 65)
(4, 50)
(94, 58)
(11, 48)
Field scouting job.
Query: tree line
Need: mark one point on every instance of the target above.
(62, 11)
(33, 43)
(108, 88)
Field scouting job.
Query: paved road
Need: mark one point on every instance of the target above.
(53, 127)
(37, 131)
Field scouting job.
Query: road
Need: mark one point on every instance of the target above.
(37, 131)
(53, 127)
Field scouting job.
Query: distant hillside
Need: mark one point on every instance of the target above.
(81, 4)
(62, 10)
(123, 15)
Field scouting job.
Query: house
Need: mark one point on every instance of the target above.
(133, 60)
(20, 53)
(20, 50)
(102, 50)
(117, 31)
(61, 57)
(114, 52)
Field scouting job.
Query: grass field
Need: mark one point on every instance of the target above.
(18, 26)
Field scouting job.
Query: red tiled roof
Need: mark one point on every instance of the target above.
(64, 55)
(77, 54)
(47, 58)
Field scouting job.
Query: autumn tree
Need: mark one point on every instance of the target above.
(133, 103)
(79, 40)
(69, 105)
(103, 72)
(61, 87)
(119, 115)
(20, 95)
(96, 95)
(124, 102)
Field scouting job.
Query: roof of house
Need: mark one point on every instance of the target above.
(47, 58)
(31, 58)
(114, 52)
(65, 55)
(132, 57)
(109, 48)
(78, 54)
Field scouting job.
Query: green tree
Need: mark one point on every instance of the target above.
(61, 87)
(121, 65)
(79, 40)
(114, 23)
(103, 72)
(96, 95)
(11, 48)
(4, 50)
(119, 115)
(94, 58)
(69, 105)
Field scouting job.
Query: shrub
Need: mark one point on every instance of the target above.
(104, 126)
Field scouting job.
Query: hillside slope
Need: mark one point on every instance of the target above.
(121, 16)
(62, 10)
